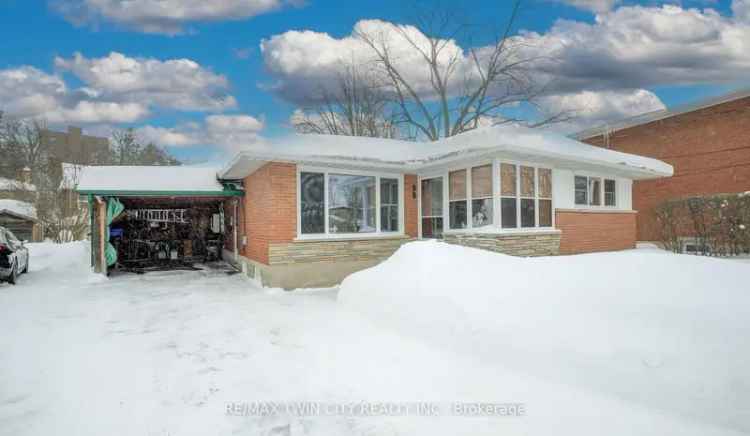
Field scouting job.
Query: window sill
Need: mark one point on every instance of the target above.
(600, 209)
(350, 237)
(493, 230)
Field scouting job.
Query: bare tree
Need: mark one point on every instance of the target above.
(127, 149)
(465, 89)
(62, 212)
(358, 105)
(21, 144)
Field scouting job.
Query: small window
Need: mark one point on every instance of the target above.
(610, 198)
(481, 196)
(581, 188)
(389, 205)
(457, 212)
(595, 191)
(312, 208)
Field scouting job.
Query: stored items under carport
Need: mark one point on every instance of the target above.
(158, 237)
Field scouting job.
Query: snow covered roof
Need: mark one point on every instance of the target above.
(13, 185)
(18, 208)
(149, 180)
(388, 154)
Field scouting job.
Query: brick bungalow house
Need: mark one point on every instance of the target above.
(707, 143)
(307, 210)
(317, 207)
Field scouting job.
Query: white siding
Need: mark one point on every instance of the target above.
(562, 189)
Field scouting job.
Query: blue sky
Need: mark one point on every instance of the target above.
(40, 39)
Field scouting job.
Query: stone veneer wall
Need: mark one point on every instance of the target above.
(282, 253)
(530, 244)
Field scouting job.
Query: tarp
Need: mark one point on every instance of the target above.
(114, 208)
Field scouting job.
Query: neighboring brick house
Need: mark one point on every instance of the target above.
(317, 208)
(707, 143)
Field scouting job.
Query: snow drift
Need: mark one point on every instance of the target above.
(664, 332)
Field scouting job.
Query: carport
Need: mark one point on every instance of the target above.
(147, 218)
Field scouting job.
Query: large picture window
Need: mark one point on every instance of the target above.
(337, 203)
(312, 206)
(481, 196)
(351, 204)
(389, 205)
(432, 207)
(457, 199)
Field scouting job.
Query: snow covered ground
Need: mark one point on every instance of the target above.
(639, 342)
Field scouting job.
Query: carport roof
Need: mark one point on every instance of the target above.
(152, 181)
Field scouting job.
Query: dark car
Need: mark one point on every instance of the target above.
(14, 257)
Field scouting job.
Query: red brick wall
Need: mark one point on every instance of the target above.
(584, 232)
(270, 208)
(709, 150)
(411, 217)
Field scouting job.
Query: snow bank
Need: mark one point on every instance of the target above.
(18, 207)
(662, 331)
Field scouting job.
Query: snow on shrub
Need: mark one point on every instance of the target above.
(670, 331)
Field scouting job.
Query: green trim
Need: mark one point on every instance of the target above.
(226, 193)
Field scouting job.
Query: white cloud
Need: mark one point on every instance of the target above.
(618, 56)
(180, 84)
(596, 107)
(306, 62)
(741, 10)
(639, 47)
(162, 16)
(597, 6)
(30, 92)
(227, 132)
(116, 89)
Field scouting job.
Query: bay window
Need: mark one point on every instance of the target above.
(333, 203)
(528, 202)
(457, 206)
(508, 197)
(545, 197)
(481, 196)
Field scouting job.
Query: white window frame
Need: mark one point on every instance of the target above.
(443, 214)
(327, 171)
(496, 196)
(589, 189)
(471, 197)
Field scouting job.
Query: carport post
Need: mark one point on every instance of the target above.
(235, 223)
(91, 225)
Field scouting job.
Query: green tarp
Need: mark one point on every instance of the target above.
(114, 208)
